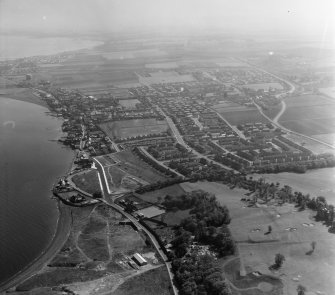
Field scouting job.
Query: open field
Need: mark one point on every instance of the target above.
(265, 86)
(165, 65)
(129, 104)
(319, 182)
(99, 245)
(312, 145)
(87, 181)
(227, 106)
(125, 171)
(329, 91)
(158, 196)
(257, 250)
(165, 77)
(309, 114)
(133, 128)
(242, 117)
(152, 282)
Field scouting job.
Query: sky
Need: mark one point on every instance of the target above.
(236, 16)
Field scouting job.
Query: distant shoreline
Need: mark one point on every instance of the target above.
(64, 220)
(47, 49)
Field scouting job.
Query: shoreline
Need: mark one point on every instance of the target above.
(64, 224)
(59, 237)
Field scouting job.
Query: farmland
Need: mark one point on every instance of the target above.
(258, 250)
(310, 115)
(165, 77)
(132, 128)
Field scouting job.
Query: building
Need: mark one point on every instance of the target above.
(139, 259)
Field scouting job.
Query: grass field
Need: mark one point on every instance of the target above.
(99, 245)
(258, 250)
(309, 114)
(227, 106)
(158, 196)
(152, 282)
(129, 104)
(132, 128)
(136, 167)
(165, 77)
(87, 181)
(125, 171)
(242, 117)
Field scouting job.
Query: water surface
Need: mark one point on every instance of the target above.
(30, 161)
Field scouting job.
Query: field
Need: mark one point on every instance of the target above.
(166, 65)
(125, 171)
(310, 115)
(265, 86)
(100, 246)
(87, 181)
(129, 104)
(319, 182)
(132, 128)
(227, 106)
(165, 77)
(158, 196)
(329, 91)
(257, 250)
(315, 147)
(242, 117)
(152, 282)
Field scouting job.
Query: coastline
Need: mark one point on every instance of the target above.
(64, 223)
(62, 231)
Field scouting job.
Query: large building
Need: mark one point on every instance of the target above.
(139, 259)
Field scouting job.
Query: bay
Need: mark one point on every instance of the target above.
(31, 160)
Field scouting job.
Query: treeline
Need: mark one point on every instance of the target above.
(199, 275)
(206, 225)
(297, 167)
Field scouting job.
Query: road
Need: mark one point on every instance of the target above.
(136, 223)
(239, 133)
(282, 111)
(290, 131)
(159, 163)
(181, 141)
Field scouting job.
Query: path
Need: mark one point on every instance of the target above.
(158, 162)
(282, 111)
(137, 224)
(290, 131)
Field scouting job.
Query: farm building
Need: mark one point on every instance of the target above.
(139, 259)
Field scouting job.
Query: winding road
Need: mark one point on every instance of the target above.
(118, 208)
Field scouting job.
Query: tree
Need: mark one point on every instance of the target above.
(97, 195)
(301, 290)
(279, 260)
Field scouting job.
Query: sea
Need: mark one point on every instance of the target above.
(31, 160)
